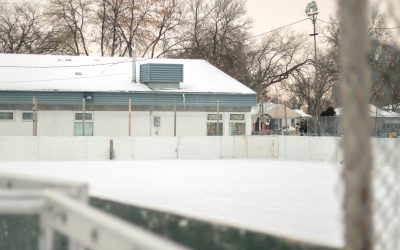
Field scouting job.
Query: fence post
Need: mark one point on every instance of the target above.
(217, 133)
(355, 87)
(284, 108)
(34, 115)
(175, 119)
(83, 115)
(130, 117)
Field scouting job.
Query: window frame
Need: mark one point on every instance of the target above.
(8, 120)
(87, 121)
(212, 119)
(233, 121)
(26, 120)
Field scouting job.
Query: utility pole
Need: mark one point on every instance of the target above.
(312, 12)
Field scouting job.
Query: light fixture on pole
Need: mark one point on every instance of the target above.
(312, 12)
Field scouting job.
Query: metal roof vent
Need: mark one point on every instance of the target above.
(161, 76)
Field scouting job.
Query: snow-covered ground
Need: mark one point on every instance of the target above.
(287, 198)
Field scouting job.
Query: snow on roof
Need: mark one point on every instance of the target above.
(301, 113)
(275, 110)
(395, 107)
(373, 112)
(105, 74)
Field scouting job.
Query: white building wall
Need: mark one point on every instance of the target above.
(115, 123)
(110, 123)
(9, 128)
(55, 123)
(191, 124)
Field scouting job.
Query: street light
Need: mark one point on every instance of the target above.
(312, 12)
(312, 8)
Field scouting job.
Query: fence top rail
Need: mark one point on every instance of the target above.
(78, 190)
(19, 181)
(102, 229)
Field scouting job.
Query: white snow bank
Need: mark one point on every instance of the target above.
(287, 198)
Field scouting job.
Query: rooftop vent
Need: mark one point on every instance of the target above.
(161, 76)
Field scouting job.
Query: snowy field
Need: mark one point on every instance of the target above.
(287, 198)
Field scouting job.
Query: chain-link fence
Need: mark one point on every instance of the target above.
(371, 166)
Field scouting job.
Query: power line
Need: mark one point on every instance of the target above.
(63, 79)
(277, 29)
(72, 66)
(382, 28)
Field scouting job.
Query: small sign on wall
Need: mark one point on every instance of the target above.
(157, 121)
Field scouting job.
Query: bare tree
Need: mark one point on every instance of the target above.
(23, 30)
(303, 90)
(276, 59)
(106, 22)
(71, 18)
(381, 53)
(385, 62)
(216, 31)
(167, 18)
(132, 24)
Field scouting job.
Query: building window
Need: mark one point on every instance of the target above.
(6, 116)
(27, 116)
(212, 125)
(237, 125)
(78, 124)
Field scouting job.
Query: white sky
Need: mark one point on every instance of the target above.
(270, 14)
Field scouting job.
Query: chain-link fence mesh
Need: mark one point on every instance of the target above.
(371, 173)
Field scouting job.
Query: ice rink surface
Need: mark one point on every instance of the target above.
(295, 199)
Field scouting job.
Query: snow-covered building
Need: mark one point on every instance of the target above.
(302, 114)
(277, 113)
(383, 122)
(65, 87)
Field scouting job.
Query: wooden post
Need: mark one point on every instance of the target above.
(112, 152)
(175, 119)
(34, 115)
(284, 107)
(217, 133)
(130, 117)
(83, 115)
(259, 119)
(358, 160)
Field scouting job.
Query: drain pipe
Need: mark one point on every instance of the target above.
(134, 65)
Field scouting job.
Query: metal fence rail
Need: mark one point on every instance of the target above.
(63, 207)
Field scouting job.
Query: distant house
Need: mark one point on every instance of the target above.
(395, 108)
(383, 122)
(101, 87)
(277, 115)
(302, 114)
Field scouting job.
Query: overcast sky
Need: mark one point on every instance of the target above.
(270, 14)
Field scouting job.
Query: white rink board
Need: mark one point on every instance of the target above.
(286, 198)
(301, 148)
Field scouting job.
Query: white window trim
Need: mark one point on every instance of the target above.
(22, 116)
(8, 120)
(243, 120)
(221, 120)
(86, 120)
